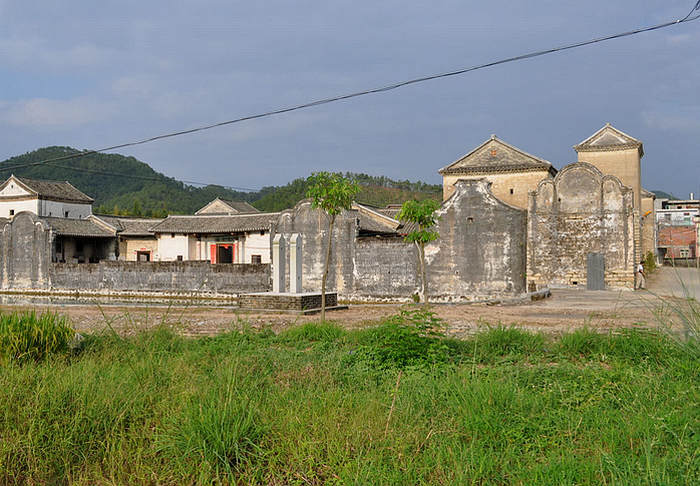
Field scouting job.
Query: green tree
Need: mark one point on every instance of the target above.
(422, 215)
(332, 193)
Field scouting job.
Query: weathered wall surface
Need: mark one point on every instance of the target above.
(481, 249)
(580, 211)
(312, 224)
(25, 251)
(385, 267)
(648, 219)
(480, 252)
(625, 164)
(521, 183)
(187, 276)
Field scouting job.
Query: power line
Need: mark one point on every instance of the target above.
(688, 18)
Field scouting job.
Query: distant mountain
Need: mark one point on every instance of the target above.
(663, 195)
(124, 185)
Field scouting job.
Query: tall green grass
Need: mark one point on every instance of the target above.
(28, 336)
(308, 406)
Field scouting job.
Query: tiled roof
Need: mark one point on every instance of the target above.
(58, 190)
(241, 206)
(234, 207)
(78, 227)
(234, 223)
(497, 156)
(131, 226)
(609, 138)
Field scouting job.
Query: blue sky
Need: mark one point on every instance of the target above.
(93, 74)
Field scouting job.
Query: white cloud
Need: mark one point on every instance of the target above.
(44, 112)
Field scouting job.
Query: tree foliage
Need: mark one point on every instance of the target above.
(333, 194)
(422, 215)
(118, 183)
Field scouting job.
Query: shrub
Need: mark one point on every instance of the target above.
(502, 341)
(26, 336)
(411, 338)
(649, 262)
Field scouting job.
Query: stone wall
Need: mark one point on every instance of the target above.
(580, 211)
(481, 249)
(385, 267)
(480, 253)
(25, 251)
(312, 224)
(187, 276)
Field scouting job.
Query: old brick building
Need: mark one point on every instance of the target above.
(511, 171)
(580, 214)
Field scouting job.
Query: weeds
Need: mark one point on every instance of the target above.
(26, 336)
(247, 407)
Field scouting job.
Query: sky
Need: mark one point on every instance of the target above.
(93, 74)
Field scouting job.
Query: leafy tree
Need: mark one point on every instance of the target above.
(332, 193)
(422, 215)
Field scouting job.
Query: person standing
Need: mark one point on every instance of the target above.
(641, 279)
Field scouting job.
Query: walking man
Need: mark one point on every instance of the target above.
(641, 279)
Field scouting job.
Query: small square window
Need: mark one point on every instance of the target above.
(179, 258)
(12, 212)
(256, 259)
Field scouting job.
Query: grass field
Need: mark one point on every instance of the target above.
(392, 404)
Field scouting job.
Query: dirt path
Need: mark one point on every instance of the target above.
(565, 310)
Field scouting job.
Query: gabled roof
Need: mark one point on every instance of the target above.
(53, 190)
(127, 226)
(78, 227)
(497, 156)
(209, 224)
(609, 138)
(230, 207)
(374, 221)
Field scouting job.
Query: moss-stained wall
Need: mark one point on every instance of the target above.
(580, 211)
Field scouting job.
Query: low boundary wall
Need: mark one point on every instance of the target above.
(187, 277)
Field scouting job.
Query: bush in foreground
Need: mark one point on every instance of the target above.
(28, 336)
(502, 407)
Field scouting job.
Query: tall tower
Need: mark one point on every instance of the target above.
(616, 153)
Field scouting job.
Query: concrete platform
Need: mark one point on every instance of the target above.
(304, 303)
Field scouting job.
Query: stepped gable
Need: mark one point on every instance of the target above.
(609, 138)
(62, 191)
(497, 156)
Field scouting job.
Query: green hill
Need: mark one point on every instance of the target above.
(127, 186)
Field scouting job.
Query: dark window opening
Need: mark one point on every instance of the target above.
(262, 233)
(143, 256)
(172, 235)
(470, 220)
(179, 258)
(65, 214)
(511, 190)
(256, 259)
(12, 212)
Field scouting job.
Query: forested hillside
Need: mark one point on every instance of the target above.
(127, 186)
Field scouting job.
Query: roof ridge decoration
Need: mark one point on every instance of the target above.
(608, 138)
(478, 162)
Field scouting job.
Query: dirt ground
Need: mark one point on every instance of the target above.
(563, 311)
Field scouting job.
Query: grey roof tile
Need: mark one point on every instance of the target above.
(77, 227)
(209, 224)
(58, 190)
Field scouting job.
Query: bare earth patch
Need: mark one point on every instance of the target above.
(565, 310)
